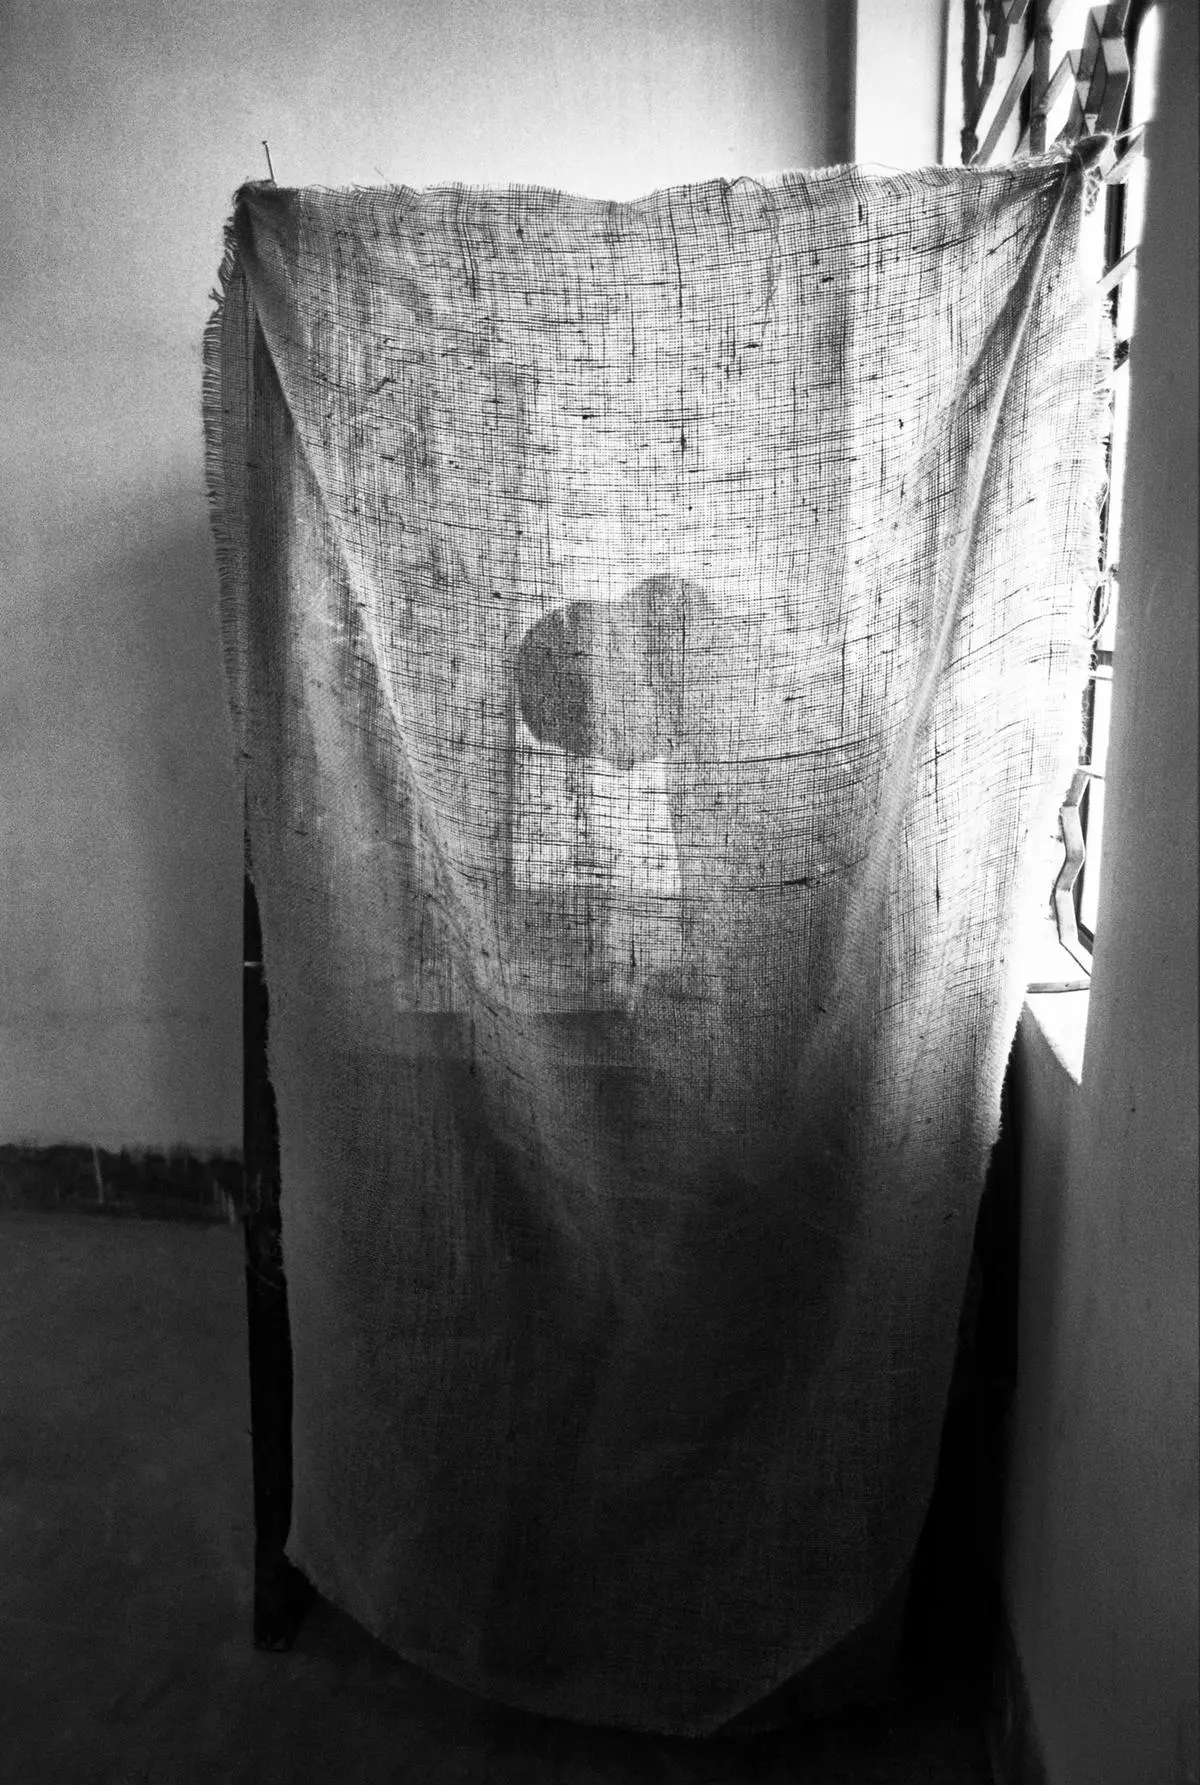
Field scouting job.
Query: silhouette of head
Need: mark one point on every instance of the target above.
(607, 679)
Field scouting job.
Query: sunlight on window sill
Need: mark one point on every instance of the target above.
(1061, 1016)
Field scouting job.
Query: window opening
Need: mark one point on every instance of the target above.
(1032, 75)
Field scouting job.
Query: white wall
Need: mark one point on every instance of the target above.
(1102, 1564)
(125, 126)
(899, 75)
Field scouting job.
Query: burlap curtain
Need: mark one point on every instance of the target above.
(655, 632)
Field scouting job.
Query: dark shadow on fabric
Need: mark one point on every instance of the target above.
(954, 1612)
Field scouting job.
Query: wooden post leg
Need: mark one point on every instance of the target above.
(282, 1594)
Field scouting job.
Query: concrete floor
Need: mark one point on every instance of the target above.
(126, 1536)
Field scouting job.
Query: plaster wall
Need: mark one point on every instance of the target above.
(125, 126)
(1101, 1562)
(899, 81)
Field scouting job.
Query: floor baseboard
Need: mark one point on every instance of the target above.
(173, 1185)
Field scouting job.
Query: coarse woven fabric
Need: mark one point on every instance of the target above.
(655, 633)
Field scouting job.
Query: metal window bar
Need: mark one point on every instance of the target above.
(1098, 73)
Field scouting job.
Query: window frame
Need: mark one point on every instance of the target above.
(1099, 77)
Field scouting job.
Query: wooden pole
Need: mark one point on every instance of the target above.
(282, 1595)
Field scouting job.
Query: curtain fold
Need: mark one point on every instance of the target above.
(655, 635)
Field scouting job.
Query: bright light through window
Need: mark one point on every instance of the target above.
(1145, 71)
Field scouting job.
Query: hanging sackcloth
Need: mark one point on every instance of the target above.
(655, 634)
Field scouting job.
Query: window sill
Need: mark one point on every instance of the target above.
(1060, 1017)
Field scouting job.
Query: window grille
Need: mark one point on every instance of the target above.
(1035, 73)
